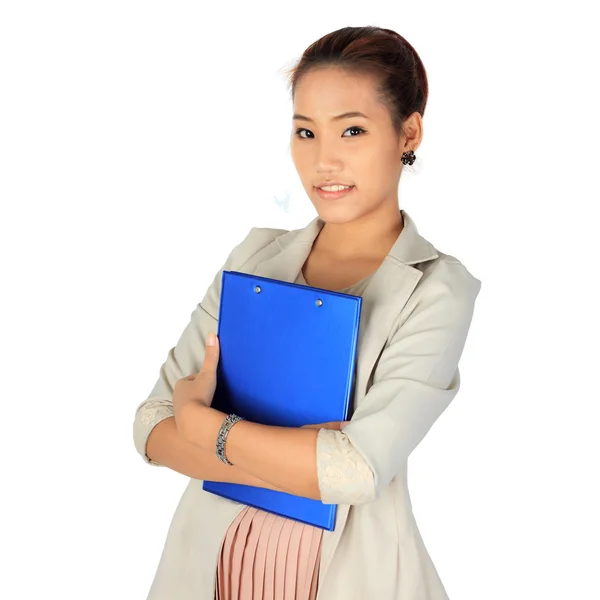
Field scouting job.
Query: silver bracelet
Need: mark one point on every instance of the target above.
(228, 423)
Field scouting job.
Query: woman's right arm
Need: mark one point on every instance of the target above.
(167, 448)
(154, 430)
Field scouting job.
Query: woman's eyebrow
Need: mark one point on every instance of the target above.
(346, 115)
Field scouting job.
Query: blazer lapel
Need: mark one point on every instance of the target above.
(387, 292)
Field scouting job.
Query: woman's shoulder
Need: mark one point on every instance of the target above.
(450, 270)
(255, 240)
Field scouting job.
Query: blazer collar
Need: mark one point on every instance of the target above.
(409, 248)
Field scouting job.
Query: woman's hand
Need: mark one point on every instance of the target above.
(197, 389)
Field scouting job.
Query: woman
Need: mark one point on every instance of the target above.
(359, 96)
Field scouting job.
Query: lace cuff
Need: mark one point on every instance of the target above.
(344, 475)
(147, 417)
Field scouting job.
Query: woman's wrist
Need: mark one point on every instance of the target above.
(202, 426)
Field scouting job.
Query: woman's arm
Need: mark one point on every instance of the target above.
(285, 457)
(166, 447)
(187, 355)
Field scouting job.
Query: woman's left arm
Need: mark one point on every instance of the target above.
(285, 457)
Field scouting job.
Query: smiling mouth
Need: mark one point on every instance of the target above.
(343, 186)
(325, 195)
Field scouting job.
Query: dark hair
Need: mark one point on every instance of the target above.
(399, 73)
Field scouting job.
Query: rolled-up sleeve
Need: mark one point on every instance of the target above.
(187, 356)
(416, 378)
(344, 475)
(149, 415)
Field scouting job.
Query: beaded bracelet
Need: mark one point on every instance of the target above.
(228, 423)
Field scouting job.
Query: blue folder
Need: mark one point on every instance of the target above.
(287, 358)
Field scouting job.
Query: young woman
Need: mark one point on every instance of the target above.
(359, 97)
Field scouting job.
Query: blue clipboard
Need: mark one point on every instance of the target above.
(287, 358)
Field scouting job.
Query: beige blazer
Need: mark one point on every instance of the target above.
(416, 313)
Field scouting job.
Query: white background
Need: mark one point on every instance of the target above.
(140, 141)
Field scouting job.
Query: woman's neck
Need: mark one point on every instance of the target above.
(358, 240)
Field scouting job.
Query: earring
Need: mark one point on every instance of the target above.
(408, 158)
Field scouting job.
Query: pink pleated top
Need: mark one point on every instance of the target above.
(267, 557)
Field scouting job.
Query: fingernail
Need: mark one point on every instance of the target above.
(211, 340)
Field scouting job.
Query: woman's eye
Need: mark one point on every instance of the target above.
(355, 127)
(360, 129)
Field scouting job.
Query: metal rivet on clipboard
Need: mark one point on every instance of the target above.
(257, 289)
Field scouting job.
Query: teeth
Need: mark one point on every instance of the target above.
(335, 188)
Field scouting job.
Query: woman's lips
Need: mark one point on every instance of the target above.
(334, 195)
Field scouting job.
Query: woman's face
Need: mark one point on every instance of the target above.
(359, 151)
